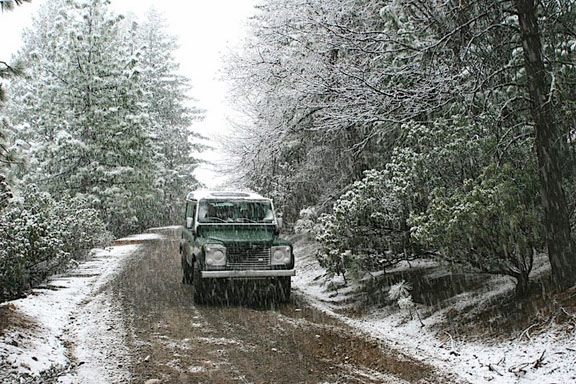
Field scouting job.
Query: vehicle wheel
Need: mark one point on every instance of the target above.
(283, 287)
(187, 275)
(199, 287)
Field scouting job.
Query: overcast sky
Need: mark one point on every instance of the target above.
(205, 31)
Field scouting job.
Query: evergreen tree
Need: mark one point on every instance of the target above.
(87, 127)
(169, 116)
(8, 5)
(6, 157)
(549, 149)
(88, 113)
(6, 71)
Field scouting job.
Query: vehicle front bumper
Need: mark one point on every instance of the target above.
(248, 274)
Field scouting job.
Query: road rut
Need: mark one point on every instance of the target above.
(248, 340)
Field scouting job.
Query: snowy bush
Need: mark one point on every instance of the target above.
(493, 225)
(307, 222)
(440, 154)
(5, 194)
(400, 292)
(79, 226)
(366, 230)
(40, 235)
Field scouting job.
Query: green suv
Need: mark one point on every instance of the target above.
(233, 236)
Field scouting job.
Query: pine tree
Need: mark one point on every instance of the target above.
(8, 5)
(87, 129)
(6, 71)
(170, 116)
(549, 149)
(104, 114)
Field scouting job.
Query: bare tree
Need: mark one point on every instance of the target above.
(348, 76)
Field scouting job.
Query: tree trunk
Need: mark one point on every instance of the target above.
(522, 281)
(549, 149)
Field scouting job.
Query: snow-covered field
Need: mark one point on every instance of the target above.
(549, 357)
(74, 330)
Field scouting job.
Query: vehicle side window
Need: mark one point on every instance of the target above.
(191, 211)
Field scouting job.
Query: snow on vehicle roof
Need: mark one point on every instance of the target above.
(219, 195)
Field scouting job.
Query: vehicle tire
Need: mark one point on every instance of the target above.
(199, 287)
(283, 288)
(187, 275)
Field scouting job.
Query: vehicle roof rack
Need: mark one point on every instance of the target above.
(204, 194)
(230, 194)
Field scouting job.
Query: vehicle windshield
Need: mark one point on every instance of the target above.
(226, 211)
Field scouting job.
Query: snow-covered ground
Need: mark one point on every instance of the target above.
(549, 357)
(73, 329)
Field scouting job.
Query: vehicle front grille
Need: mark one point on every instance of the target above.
(248, 257)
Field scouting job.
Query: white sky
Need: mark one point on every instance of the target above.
(205, 30)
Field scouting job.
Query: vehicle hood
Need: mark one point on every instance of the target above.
(238, 235)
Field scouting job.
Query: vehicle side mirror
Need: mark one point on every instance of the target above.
(189, 222)
(279, 224)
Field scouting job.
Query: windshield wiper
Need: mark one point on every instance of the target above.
(215, 218)
(244, 219)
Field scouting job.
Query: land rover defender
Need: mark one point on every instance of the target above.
(230, 236)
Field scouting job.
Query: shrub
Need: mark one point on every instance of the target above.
(492, 225)
(366, 230)
(41, 235)
(400, 292)
(79, 226)
(5, 193)
(307, 222)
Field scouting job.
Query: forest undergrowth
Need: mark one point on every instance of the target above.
(456, 303)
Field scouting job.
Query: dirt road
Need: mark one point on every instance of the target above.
(246, 341)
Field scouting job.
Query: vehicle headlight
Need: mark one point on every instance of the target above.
(215, 255)
(281, 255)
